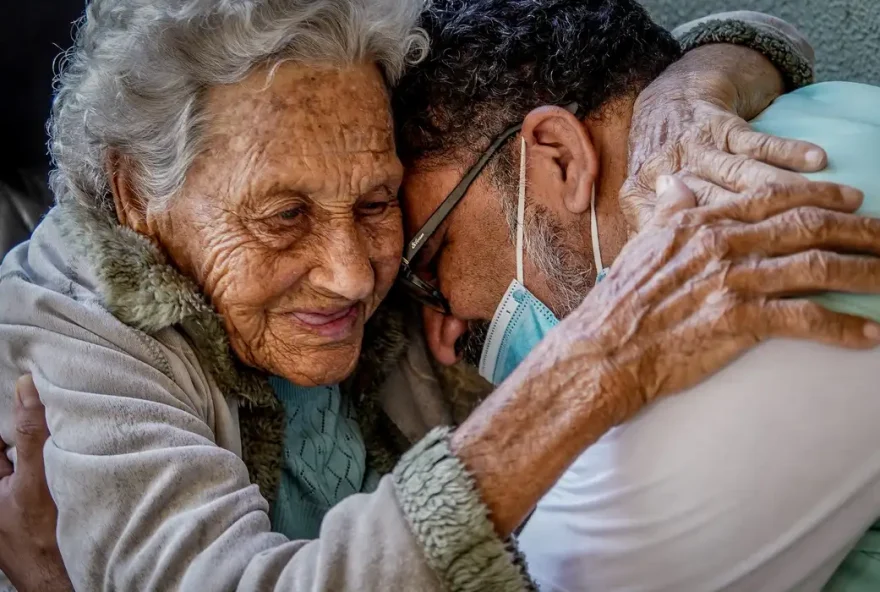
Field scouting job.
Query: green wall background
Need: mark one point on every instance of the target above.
(844, 33)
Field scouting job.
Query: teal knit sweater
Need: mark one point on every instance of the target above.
(324, 457)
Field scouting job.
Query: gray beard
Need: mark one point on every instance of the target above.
(470, 345)
(567, 272)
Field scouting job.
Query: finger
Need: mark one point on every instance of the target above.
(31, 432)
(803, 319)
(709, 194)
(736, 172)
(802, 229)
(772, 200)
(637, 203)
(806, 272)
(793, 155)
(673, 196)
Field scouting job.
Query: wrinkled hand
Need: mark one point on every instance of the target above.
(29, 554)
(689, 121)
(699, 286)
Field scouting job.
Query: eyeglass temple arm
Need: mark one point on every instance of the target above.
(444, 209)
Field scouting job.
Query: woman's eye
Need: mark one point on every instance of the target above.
(374, 208)
(291, 214)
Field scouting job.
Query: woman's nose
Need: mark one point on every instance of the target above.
(345, 268)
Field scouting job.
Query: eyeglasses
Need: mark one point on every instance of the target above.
(416, 287)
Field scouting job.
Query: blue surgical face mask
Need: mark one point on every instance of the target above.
(521, 320)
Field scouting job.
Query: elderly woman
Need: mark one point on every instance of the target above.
(226, 226)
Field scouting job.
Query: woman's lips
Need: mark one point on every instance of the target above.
(335, 324)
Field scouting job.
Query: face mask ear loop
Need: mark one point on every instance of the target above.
(594, 230)
(521, 212)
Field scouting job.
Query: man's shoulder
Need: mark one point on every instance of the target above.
(773, 460)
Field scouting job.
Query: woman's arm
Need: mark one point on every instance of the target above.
(685, 297)
(780, 43)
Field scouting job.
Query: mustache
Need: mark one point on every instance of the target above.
(470, 345)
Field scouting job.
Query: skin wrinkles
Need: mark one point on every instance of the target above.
(639, 335)
(291, 209)
(477, 261)
(687, 293)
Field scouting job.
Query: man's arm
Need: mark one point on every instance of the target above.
(136, 471)
(28, 550)
(149, 498)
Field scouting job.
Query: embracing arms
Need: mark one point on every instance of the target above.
(436, 523)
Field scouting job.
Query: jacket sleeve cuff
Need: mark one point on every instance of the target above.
(443, 508)
(777, 40)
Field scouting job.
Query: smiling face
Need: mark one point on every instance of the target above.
(288, 219)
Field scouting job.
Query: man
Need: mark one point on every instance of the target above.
(762, 478)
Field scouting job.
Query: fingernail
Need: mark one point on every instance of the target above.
(872, 331)
(815, 158)
(26, 393)
(664, 182)
(852, 196)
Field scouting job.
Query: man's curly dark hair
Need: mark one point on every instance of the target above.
(493, 61)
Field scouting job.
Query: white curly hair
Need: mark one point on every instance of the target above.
(134, 82)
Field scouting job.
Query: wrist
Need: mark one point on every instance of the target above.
(735, 77)
(690, 80)
(555, 405)
(742, 74)
(47, 575)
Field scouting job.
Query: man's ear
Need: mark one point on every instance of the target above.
(131, 210)
(561, 152)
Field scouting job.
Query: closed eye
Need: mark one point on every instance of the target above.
(374, 208)
(291, 214)
(426, 260)
(376, 202)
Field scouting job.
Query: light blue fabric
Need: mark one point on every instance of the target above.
(324, 457)
(520, 322)
(843, 118)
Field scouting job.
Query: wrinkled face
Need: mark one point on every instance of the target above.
(289, 220)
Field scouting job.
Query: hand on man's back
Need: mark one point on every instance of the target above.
(692, 123)
(29, 554)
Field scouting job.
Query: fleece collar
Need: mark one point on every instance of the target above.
(142, 289)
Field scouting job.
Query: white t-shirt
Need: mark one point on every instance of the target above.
(759, 479)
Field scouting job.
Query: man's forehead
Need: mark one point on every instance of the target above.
(425, 186)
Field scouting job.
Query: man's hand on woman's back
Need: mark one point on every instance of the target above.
(29, 554)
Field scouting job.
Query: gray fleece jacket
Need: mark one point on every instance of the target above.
(165, 450)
